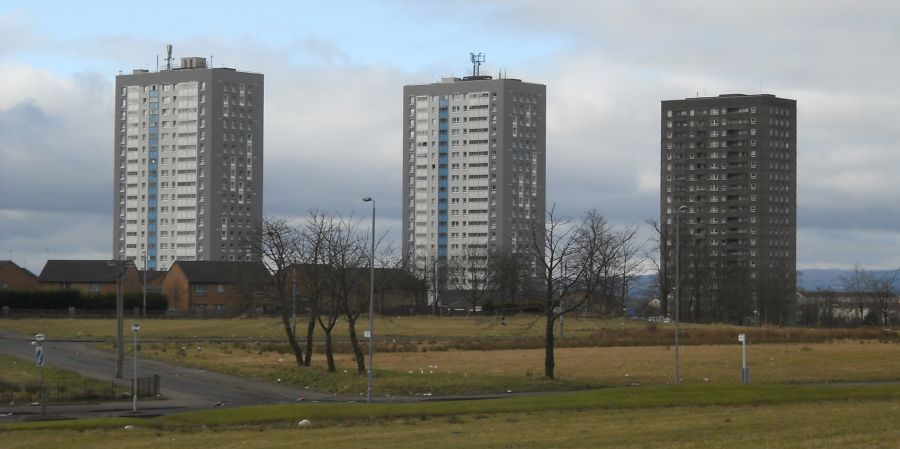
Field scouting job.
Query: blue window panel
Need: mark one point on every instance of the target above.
(151, 202)
(153, 142)
(152, 190)
(151, 252)
(151, 215)
(154, 94)
(151, 228)
(443, 102)
(151, 240)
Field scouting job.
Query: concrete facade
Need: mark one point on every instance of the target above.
(188, 146)
(731, 163)
(474, 168)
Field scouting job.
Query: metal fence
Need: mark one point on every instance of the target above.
(84, 391)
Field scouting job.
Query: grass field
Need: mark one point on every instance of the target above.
(673, 417)
(470, 333)
(459, 372)
(20, 382)
(460, 355)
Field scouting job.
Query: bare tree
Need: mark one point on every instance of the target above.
(350, 284)
(883, 295)
(389, 275)
(563, 253)
(427, 268)
(597, 249)
(855, 283)
(277, 243)
(631, 260)
(655, 255)
(470, 273)
(311, 269)
(511, 275)
(420, 276)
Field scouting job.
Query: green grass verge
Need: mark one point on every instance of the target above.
(20, 382)
(611, 399)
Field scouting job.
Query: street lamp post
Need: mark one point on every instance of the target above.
(134, 392)
(121, 268)
(371, 303)
(678, 213)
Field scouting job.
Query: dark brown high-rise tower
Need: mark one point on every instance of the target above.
(729, 176)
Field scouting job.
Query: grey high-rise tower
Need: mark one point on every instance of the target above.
(729, 184)
(188, 164)
(474, 169)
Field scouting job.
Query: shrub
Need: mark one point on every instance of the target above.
(63, 299)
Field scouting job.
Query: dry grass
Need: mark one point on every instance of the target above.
(407, 334)
(488, 371)
(769, 363)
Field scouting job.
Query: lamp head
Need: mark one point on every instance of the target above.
(367, 198)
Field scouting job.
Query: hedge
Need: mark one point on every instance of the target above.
(63, 299)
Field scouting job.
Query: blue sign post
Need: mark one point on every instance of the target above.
(39, 361)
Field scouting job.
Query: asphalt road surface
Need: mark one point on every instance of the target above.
(184, 388)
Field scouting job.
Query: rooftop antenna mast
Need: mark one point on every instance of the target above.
(168, 56)
(477, 59)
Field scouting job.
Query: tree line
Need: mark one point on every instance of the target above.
(560, 267)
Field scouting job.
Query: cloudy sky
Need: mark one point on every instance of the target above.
(334, 76)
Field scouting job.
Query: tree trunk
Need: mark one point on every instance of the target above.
(310, 330)
(329, 351)
(292, 338)
(357, 351)
(549, 361)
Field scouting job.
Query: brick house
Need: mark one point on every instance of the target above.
(15, 277)
(216, 286)
(88, 276)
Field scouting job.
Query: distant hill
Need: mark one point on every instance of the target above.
(813, 279)
(831, 279)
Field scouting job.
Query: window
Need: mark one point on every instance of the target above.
(200, 289)
(220, 288)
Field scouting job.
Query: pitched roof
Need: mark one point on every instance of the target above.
(3, 263)
(152, 275)
(224, 272)
(78, 271)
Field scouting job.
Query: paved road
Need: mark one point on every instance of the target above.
(184, 388)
